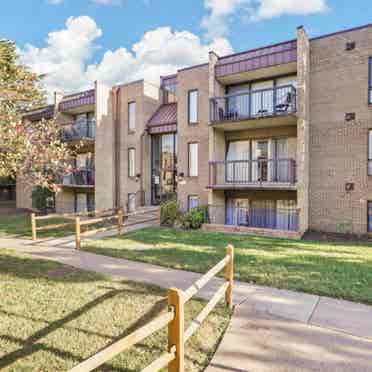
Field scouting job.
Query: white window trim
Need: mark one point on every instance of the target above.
(131, 162)
(132, 116)
(193, 159)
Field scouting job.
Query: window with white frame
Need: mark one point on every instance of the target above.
(131, 162)
(131, 202)
(193, 106)
(193, 202)
(193, 159)
(132, 116)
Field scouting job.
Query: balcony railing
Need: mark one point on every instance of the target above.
(254, 104)
(231, 173)
(78, 131)
(286, 219)
(79, 177)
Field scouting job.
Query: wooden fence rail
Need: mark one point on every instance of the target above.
(174, 358)
(67, 216)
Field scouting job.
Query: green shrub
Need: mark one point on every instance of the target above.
(169, 213)
(194, 218)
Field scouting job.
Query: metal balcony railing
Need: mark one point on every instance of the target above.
(79, 177)
(254, 104)
(286, 219)
(78, 131)
(251, 172)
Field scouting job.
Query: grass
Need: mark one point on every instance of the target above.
(53, 316)
(341, 270)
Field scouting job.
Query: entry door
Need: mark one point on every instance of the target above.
(81, 202)
(260, 153)
(238, 159)
(282, 162)
(237, 212)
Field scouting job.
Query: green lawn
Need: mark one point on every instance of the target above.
(342, 270)
(53, 316)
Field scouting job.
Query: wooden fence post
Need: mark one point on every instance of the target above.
(229, 276)
(33, 226)
(176, 329)
(120, 220)
(77, 233)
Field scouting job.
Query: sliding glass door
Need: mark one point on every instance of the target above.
(164, 166)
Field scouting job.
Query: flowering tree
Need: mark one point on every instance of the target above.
(33, 151)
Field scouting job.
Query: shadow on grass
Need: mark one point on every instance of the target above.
(34, 343)
(34, 268)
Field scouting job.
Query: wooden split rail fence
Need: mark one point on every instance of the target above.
(87, 218)
(174, 358)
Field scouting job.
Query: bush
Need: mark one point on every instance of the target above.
(169, 213)
(194, 218)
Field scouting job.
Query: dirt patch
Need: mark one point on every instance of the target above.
(336, 237)
(62, 271)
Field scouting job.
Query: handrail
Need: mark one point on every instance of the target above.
(119, 346)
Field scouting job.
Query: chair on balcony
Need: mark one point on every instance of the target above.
(284, 106)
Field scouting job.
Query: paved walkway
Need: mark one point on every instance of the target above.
(271, 329)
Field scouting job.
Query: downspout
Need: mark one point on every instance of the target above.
(117, 132)
(143, 197)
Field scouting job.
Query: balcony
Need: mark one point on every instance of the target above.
(78, 131)
(78, 102)
(271, 174)
(83, 177)
(274, 60)
(259, 219)
(269, 103)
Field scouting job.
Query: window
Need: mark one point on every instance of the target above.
(193, 106)
(131, 162)
(370, 152)
(193, 202)
(370, 80)
(131, 202)
(369, 216)
(193, 159)
(132, 116)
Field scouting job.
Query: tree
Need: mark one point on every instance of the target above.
(33, 151)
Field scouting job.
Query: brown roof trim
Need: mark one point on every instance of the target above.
(194, 66)
(256, 49)
(341, 32)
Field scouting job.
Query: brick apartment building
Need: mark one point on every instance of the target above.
(276, 139)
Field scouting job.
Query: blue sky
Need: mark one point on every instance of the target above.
(78, 41)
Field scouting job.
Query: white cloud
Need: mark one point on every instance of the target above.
(276, 8)
(55, 2)
(65, 59)
(222, 12)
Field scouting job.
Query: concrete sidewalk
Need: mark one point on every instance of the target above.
(271, 329)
